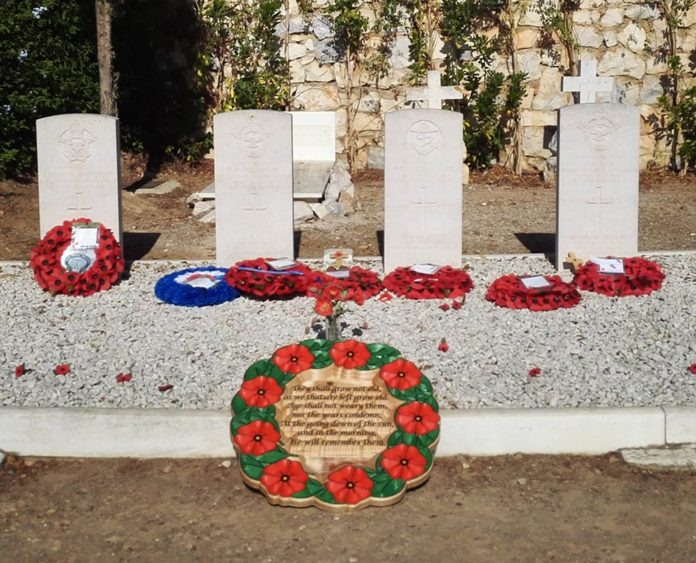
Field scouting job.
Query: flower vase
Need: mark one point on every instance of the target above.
(332, 330)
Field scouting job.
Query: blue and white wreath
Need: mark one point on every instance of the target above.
(195, 287)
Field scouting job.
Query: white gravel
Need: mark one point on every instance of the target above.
(632, 351)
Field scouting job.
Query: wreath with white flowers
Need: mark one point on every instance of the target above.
(195, 287)
(269, 465)
(64, 264)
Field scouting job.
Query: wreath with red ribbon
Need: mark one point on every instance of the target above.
(446, 283)
(103, 272)
(640, 277)
(257, 278)
(269, 465)
(359, 286)
(509, 291)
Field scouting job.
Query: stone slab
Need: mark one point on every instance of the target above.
(310, 179)
(676, 457)
(158, 187)
(680, 424)
(597, 185)
(79, 170)
(314, 136)
(253, 185)
(423, 188)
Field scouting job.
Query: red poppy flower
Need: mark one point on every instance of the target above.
(400, 374)
(692, 368)
(404, 462)
(443, 346)
(293, 359)
(261, 391)
(284, 478)
(19, 370)
(62, 369)
(350, 354)
(456, 305)
(257, 438)
(445, 306)
(323, 307)
(123, 377)
(349, 484)
(534, 372)
(417, 418)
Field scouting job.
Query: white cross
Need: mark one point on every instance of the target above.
(423, 204)
(599, 202)
(78, 205)
(433, 93)
(588, 83)
(253, 209)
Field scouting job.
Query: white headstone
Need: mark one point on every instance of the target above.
(433, 93)
(588, 83)
(423, 188)
(79, 170)
(253, 185)
(598, 163)
(313, 152)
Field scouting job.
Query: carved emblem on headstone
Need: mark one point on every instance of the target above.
(253, 137)
(424, 137)
(76, 143)
(599, 131)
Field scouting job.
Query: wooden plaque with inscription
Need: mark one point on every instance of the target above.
(338, 425)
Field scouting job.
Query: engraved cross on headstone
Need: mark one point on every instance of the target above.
(253, 208)
(423, 204)
(599, 202)
(433, 93)
(588, 83)
(78, 204)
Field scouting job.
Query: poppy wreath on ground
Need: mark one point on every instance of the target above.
(359, 286)
(195, 287)
(509, 291)
(258, 279)
(90, 271)
(446, 283)
(640, 277)
(269, 465)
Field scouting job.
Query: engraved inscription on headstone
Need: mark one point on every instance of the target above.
(253, 185)
(598, 165)
(79, 170)
(423, 188)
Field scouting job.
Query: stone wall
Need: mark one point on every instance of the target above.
(619, 34)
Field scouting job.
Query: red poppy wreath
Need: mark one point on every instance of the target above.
(358, 286)
(258, 279)
(303, 418)
(77, 258)
(547, 294)
(445, 283)
(639, 277)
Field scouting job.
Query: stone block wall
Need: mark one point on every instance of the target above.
(620, 34)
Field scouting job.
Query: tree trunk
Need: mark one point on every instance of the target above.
(105, 57)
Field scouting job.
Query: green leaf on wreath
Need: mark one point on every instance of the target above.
(387, 488)
(380, 355)
(239, 405)
(324, 495)
(251, 466)
(424, 440)
(311, 488)
(269, 369)
(272, 456)
(320, 350)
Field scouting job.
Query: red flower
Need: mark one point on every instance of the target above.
(534, 372)
(456, 305)
(293, 359)
(257, 438)
(417, 418)
(443, 346)
(123, 377)
(445, 306)
(350, 354)
(284, 478)
(62, 369)
(692, 368)
(19, 370)
(260, 392)
(323, 307)
(349, 484)
(403, 462)
(400, 374)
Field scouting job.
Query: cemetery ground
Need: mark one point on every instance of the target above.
(514, 508)
(502, 214)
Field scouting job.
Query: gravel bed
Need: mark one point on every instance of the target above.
(632, 351)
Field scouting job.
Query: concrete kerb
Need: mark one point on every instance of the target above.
(170, 433)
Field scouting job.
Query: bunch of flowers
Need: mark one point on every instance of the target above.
(268, 465)
(446, 283)
(640, 277)
(257, 278)
(50, 274)
(509, 291)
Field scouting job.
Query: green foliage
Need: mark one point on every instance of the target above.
(349, 25)
(49, 66)
(557, 18)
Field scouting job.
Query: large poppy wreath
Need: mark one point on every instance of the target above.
(358, 286)
(269, 465)
(60, 267)
(640, 277)
(509, 291)
(195, 287)
(258, 279)
(446, 283)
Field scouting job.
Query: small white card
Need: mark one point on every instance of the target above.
(281, 264)
(609, 265)
(425, 268)
(535, 282)
(206, 280)
(85, 238)
(339, 274)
